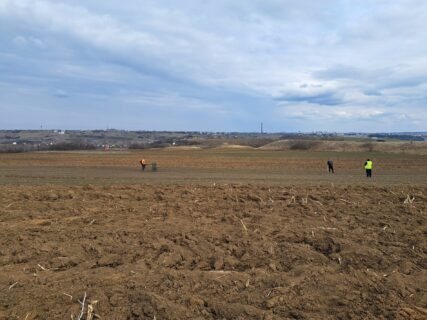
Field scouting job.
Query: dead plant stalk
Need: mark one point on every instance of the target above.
(83, 307)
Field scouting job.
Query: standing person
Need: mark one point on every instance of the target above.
(143, 164)
(330, 164)
(368, 168)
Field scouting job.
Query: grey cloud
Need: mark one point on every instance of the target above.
(390, 77)
(325, 98)
(372, 92)
(339, 72)
(413, 81)
(61, 94)
(305, 85)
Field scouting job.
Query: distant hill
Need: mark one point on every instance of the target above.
(349, 146)
(39, 140)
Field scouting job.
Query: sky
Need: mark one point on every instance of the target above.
(214, 65)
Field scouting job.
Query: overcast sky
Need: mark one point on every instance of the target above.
(219, 65)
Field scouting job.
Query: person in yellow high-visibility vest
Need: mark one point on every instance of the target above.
(368, 168)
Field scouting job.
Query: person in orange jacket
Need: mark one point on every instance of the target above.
(143, 164)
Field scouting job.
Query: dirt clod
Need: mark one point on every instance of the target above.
(332, 260)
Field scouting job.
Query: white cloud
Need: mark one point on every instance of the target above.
(312, 112)
(28, 42)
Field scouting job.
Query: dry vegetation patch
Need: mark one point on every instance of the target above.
(414, 147)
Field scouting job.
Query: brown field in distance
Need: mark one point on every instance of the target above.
(225, 165)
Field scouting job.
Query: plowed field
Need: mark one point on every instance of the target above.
(122, 247)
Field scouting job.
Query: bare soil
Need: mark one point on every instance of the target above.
(213, 252)
(213, 234)
(208, 166)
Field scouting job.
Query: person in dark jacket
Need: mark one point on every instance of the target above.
(330, 164)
